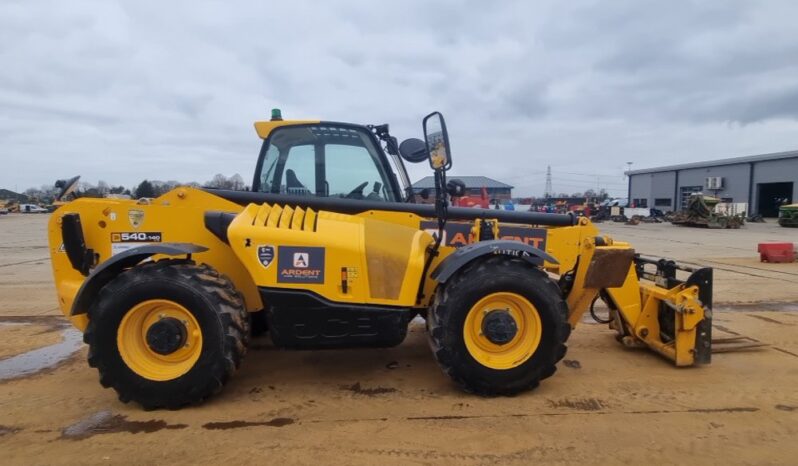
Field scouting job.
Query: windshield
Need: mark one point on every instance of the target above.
(326, 160)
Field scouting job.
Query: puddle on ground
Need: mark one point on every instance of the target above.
(572, 363)
(356, 388)
(276, 422)
(39, 359)
(6, 430)
(106, 422)
(584, 404)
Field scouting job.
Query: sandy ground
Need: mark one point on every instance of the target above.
(606, 405)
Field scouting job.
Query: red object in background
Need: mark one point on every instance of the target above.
(776, 252)
(472, 201)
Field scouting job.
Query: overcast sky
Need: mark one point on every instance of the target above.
(122, 91)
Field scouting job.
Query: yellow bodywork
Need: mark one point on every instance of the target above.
(374, 257)
(264, 128)
(379, 254)
(382, 252)
(380, 262)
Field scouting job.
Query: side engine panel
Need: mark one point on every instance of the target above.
(341, 258)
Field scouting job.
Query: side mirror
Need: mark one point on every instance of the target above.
(413, 150)
(437, 141)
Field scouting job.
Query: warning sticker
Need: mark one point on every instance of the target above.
(300, 264)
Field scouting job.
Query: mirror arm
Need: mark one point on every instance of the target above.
(441, 211)
(441, 205)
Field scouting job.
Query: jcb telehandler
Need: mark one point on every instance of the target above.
(328, 249)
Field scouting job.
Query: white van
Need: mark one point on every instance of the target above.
(31, 209)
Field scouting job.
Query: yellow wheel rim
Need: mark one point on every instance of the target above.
(516, 351)
(131, 339)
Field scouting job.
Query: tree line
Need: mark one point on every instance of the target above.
(146, 188)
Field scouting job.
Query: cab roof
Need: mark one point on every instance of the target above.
(264, 128)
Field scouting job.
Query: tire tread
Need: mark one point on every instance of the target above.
(231, 314)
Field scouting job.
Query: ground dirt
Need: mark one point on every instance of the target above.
(605, 405)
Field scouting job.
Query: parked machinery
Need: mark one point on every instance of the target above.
(700, 212)
(166, 290)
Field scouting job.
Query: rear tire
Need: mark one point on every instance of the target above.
(215, 332)
(480, 365)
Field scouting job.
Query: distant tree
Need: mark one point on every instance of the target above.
(236, 182)
(33, 193)
(118, 190)
(84, 186)
(91, 192)
(103, 188)
(170, 185)
(219, 181)
(144, 189)
(49, 191)
(163, 187)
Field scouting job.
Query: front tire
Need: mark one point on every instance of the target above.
(168, 333)
(499, 326)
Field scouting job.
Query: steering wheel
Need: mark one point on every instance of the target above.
(357, 193)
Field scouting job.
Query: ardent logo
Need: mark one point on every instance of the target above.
(301, 260)
(300, 264)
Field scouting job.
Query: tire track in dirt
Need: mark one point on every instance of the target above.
(794, 274)
(577, 409)
(25, 262)
(769, 320)
(781, 350)
(748, 274)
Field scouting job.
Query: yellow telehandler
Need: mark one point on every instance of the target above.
(328, 250)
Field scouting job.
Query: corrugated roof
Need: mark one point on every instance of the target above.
(470, 182)
(712, 163)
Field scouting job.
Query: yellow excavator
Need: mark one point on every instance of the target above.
(328, 249)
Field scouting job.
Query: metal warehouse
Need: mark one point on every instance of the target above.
(496, 189)
(764, 182)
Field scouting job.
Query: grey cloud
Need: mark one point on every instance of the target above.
(127, 90)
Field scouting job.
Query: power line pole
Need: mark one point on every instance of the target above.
(548, 192)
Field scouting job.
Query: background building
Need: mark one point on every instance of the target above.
(474, 184)
(762, 181)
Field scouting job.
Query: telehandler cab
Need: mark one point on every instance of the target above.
(329, 250)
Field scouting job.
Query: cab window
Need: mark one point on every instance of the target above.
(325, 160)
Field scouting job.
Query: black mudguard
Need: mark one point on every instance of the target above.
(466, 254)
(109, 269)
